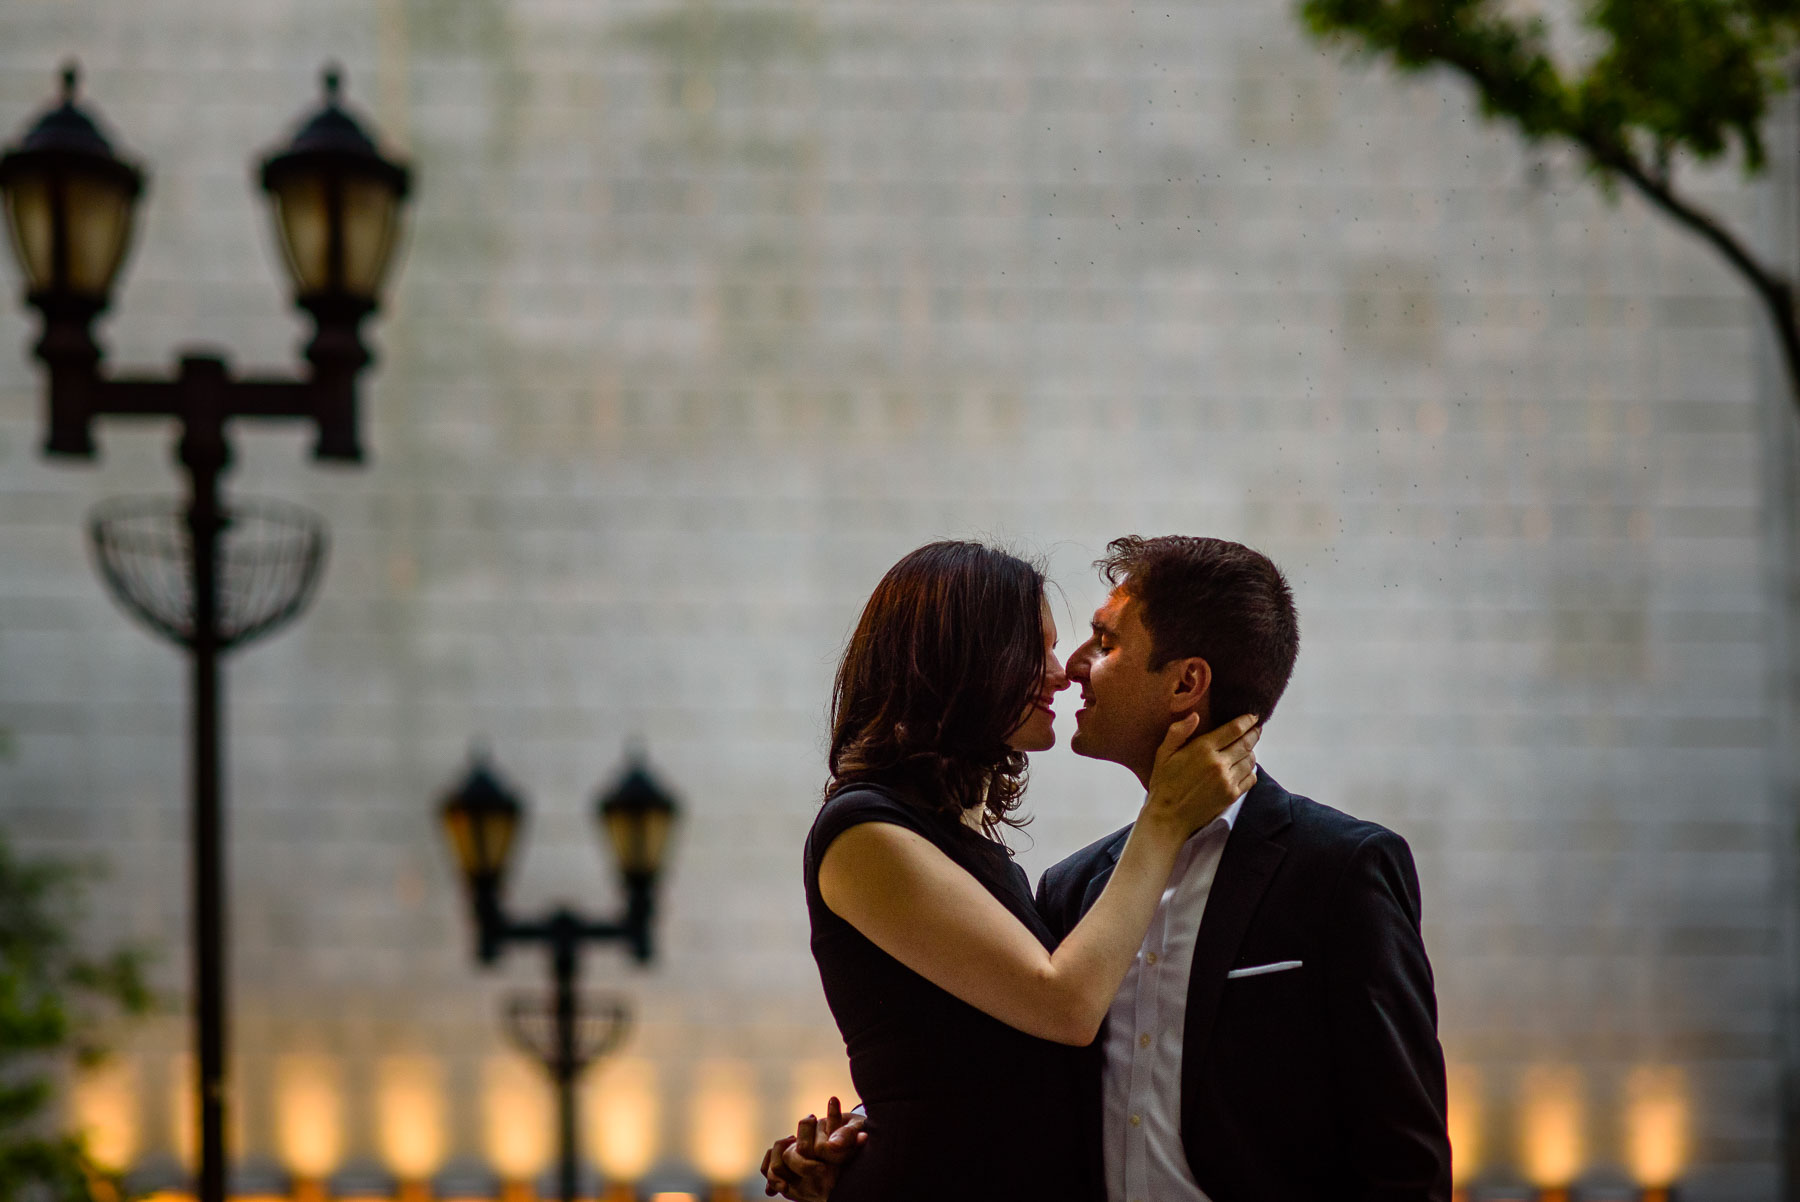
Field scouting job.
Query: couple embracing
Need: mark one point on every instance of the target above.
(1228, 1000)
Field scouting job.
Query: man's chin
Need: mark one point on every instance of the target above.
(1083, 743)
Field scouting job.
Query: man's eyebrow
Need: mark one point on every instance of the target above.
(1100, 627)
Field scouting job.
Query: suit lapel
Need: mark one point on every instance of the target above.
(1245, 869)
(1096, 885)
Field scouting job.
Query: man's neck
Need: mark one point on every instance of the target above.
(1144, 770)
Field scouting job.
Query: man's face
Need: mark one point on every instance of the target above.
(1125, 707)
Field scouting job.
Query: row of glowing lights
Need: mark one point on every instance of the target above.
(621, 1113)
(726, 1129)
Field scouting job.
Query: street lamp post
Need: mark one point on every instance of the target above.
(69, 203)
(481, 819)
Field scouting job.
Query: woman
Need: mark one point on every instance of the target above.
(962, 1021)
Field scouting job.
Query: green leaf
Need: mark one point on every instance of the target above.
(56, 1004)
(1667, 77)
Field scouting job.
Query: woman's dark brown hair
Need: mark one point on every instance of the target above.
(948, 653)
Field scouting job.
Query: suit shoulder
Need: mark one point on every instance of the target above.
(1345, 858)
(1332, 832)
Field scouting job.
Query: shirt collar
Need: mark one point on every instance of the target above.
(1212, 834)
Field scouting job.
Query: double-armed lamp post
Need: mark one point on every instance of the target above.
(70, 203)
(481, 819)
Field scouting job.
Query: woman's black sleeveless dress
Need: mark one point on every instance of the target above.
(962, 1107)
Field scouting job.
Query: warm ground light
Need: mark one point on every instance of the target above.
(1561, 1126)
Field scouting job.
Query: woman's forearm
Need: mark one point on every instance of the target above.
(1088, 967)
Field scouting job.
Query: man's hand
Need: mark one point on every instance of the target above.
(804, 1166)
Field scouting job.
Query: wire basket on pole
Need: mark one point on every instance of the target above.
(602, 1022)
(270, 557)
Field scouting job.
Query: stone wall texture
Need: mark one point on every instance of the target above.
(708, 312)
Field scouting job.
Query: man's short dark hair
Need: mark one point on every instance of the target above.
(1220, 601)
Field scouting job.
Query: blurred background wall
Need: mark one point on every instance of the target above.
(709, 312)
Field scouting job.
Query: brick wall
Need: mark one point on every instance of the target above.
(710, 311)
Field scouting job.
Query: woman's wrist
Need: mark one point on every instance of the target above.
(1160, 824)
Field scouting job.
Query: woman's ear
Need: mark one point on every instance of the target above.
(1193, 685)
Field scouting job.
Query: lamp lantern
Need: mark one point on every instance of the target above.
(564, 1032)
(481, 818)
(337, 206)
(69, 205)
(638, 815)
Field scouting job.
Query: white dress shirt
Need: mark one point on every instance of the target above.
(1145, 1161)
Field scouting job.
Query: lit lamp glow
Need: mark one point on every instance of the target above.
(69, 203)
(519, 1121)
(1656, 1129)
(1553, 1119)
(104, 1105)
(637, 816)
(337, 205)
(725, 1147)
(1465, 1121)
(622, 1100)
(410, 1119)
(309, 1120)
(184, 1135)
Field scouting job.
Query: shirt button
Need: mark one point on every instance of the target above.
(1137, 1120)
(1150, 957)
(1143, 1041)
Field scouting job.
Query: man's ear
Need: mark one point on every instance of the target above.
(1193, 687)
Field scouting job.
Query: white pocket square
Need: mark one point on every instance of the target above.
(1262, 969)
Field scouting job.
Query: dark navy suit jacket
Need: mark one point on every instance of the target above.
(1325, 1081)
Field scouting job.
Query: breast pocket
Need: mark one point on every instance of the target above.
(1267, 997)
(1269, 1022)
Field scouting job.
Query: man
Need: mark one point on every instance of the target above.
(1277, 1036)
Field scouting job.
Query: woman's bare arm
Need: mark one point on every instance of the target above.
(916, 904)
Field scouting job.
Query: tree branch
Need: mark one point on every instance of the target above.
(1773, 289)
(1770, 287)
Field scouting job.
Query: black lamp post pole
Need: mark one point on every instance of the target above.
(202, 398)
(203, 454)
(481, 818)
(563, 1055)
(69, 200)
(565, 942)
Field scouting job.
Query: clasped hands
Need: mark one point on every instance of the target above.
(803, 1167)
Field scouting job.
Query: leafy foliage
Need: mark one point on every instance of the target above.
(1693, 75)
(54, 1003)
(1664, 77)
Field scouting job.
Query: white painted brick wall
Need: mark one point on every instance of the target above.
(709, 312)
